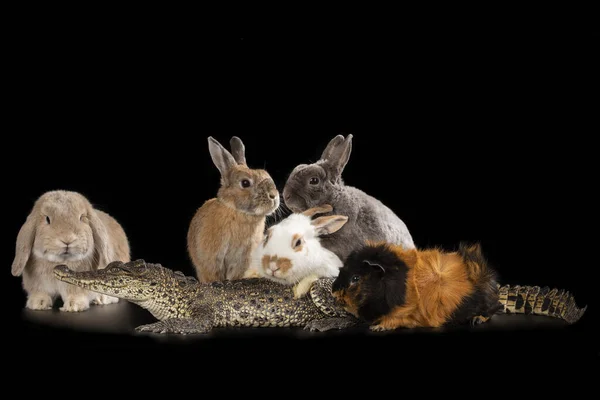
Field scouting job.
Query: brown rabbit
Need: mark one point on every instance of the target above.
(226, 229)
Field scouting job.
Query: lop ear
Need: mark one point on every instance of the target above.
(24, 245)
(222, 159)
(238, 149)
(329, 224)
(104, 251)
(336, 156)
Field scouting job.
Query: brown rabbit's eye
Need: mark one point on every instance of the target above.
(314, 181)
(47, 219)
(245, 183)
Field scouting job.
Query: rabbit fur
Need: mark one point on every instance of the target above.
(291, 253)
(64, 228)
(310, 185)
(225, 230)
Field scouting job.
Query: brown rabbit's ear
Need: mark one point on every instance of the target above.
(238, 149)
(222, 159)
(336, 156)
(24, 245)
(104, 251)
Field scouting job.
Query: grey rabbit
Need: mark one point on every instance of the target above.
(310, 185)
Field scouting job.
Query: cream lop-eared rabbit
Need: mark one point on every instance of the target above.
(226, 229)
(64, 228)
(291, 252)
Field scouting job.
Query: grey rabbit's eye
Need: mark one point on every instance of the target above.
(47, 219)
(314, 180)
(245, 183)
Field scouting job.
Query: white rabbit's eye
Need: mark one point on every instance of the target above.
(245, 183)
(314, 180)
(47, 219)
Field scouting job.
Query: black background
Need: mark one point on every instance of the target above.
(478, 131)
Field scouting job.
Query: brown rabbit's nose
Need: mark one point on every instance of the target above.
(68, 242)
(272, 195)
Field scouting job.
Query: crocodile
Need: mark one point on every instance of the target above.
(183, 305)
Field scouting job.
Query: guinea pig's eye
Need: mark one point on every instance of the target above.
(47, 219)
(314, 180)
(355, 278)
(245, 183)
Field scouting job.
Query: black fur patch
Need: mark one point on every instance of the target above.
(382, 281)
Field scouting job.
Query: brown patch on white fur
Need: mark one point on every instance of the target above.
(436, 283)
(295, 239)
(283, 264)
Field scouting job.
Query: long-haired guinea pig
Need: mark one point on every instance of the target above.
(391, 287)
(291, 254)
(64, 228)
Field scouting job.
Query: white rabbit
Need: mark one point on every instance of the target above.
(64, 228)
(291, 254)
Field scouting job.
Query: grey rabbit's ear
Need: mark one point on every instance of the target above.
(24, 244)
(222, 159)
(333, 143)
(238, 149)
(336, 156)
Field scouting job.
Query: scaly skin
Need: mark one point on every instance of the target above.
(539, 301)
(183, 305)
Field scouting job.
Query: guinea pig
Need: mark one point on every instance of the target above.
(291, 253)
(390, 287)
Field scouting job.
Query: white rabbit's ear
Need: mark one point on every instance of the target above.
(322, 209)
(329, 224)
(24, 245)
(336, 156)
(222, 159)
(238, 149)
(103, 249)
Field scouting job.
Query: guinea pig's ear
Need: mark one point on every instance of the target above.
(25, 239)
(103, 249)
(329, 224)
(222, 159)
(336, 156)
(238, 149)
(375, 266)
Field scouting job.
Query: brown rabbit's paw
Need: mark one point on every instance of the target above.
(75, 304)
(39, 301)
(103, 299)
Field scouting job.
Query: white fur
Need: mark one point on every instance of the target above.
(310, 263)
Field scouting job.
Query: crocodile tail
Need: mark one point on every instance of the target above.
(556, 303)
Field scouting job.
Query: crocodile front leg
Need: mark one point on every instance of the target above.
(182, 326)
(327, 324)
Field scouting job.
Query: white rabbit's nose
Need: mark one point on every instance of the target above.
(273, 267)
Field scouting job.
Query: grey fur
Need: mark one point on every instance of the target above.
(368, 218)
